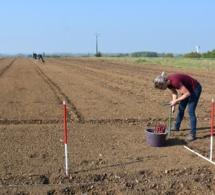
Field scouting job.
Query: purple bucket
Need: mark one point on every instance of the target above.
(155, 139)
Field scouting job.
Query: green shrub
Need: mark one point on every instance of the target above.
(192, 55)
(98, 54)
(209, 54)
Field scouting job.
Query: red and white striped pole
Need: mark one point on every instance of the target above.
(65, 138)
(212, 129)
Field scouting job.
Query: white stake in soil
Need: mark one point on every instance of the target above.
(65, 138)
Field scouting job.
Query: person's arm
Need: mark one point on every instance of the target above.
(185, 94)
(174, 98)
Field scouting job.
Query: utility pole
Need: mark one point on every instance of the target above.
(97, 42)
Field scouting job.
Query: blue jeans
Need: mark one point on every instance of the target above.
(192, 102)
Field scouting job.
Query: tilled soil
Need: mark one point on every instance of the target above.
(109, 106)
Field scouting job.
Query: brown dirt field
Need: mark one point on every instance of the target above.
(109, 105)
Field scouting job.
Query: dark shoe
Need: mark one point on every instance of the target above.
(174, 129)
(190, 138)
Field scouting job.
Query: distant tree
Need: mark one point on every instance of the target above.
(144, 54)
(98, 54)
(169, 55)
(209, 54)
(122, 55)
(192, 55)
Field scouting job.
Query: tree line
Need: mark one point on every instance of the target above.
(150, 54)
(209, 54)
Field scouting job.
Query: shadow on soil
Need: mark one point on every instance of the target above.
(200, 128)
(174, 141)
(204, 128)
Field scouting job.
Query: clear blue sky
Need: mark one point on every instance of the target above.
(124, 26)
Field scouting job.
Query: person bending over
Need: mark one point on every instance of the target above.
(34, 55)
(40, 57)
(190, 89)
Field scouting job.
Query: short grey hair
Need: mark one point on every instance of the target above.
(160, 81)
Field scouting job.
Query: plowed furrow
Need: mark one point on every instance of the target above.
(71, 109)
(3, 70)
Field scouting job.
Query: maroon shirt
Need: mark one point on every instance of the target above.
(177, 80)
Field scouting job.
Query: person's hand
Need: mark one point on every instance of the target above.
(173, 109)
(173, 103)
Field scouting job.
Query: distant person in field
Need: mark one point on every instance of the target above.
(190, 90)
(40, 57)
(34, 55)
